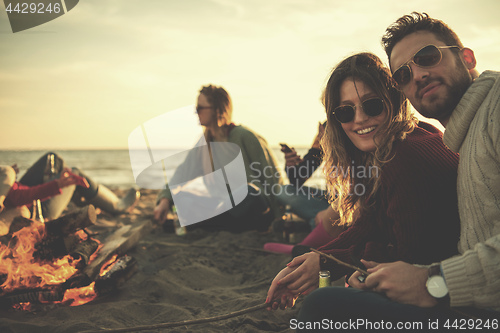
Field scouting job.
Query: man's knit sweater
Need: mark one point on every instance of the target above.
(415, 217)
(473, 278)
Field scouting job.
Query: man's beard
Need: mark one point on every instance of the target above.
(442, 110)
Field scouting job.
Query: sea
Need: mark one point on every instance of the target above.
(113, 167)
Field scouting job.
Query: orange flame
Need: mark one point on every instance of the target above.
(23, 306)
(20, 269)
(79, 296)
(108, 265)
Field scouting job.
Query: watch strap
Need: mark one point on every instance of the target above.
(433, 270)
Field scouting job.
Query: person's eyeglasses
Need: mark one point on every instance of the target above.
(426, 57)
(371, 107)
(199, 108)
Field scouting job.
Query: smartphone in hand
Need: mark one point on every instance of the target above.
(285, 148)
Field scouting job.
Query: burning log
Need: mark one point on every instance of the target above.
(121, 241)
(72, 222)
(84, 250)
(121, 271)
(34, 256)
(18, 223)
(78, 280)
(25, 278)
(60, 238)
(35, 296)
(50, 248)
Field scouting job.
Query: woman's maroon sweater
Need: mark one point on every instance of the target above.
(415, 216)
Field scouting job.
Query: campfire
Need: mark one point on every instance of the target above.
(60, 262)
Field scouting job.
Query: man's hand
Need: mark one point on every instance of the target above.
(353, 279)
(291, 158)
(399, 281)
(161, 210)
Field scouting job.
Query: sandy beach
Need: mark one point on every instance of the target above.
(202, 274)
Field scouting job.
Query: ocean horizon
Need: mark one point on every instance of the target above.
(110, 167)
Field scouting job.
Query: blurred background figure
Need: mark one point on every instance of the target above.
(260, 207)
(54, 185)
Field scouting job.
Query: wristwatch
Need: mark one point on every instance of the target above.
(436, 285)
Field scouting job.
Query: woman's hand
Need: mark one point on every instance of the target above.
(305, 277)
(68, 178)
(280, 293)
(161, 210)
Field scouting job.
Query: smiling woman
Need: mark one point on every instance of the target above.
(366, 139)
(368, 113)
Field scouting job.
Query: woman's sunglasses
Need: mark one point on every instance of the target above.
(199, 108)
(371, 107)
(426, 57)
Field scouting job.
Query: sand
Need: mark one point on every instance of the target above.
(209, 274)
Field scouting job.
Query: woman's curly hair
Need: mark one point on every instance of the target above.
(351, 174)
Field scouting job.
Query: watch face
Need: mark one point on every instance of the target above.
(437, 287)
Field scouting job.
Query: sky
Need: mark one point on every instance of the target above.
(89, 78)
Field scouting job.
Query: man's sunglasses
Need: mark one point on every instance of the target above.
(371, 107)
(426, 57)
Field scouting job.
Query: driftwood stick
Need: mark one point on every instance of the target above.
(340, 262)
(185, 322)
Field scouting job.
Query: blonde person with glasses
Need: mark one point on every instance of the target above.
(259, 208)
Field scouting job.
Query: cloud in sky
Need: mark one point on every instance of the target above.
(89, 78)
